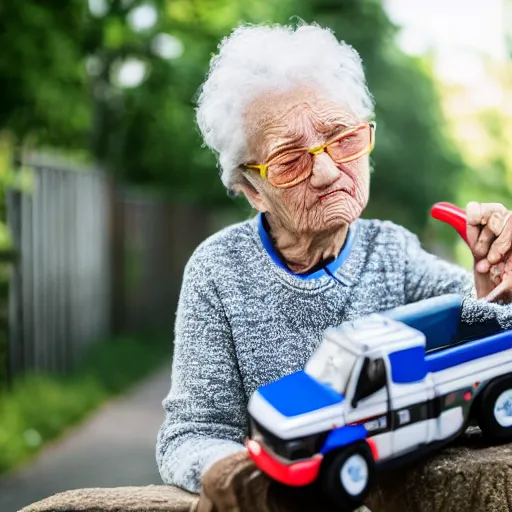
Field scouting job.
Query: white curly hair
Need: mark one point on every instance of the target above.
(258, 58)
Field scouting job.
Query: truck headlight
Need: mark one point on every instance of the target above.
(290, 449)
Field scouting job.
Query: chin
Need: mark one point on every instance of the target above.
(335, 221)
(340, 214)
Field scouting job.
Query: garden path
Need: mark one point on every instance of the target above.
(114, 447)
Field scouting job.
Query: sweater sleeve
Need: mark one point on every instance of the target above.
(427, 275)
(205, 410)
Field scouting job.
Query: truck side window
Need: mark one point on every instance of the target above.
(371, 379)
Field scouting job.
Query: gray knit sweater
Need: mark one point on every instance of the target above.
(244, 320)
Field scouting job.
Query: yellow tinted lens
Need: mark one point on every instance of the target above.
(352, 145)
(291, 170)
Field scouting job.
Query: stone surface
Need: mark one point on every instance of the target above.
(152, 498)
(469, 476)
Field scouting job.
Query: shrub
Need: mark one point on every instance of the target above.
(40, 407)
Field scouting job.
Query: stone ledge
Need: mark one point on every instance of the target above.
(153, 498)
(469, 476)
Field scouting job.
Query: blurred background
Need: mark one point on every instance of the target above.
(106, 191)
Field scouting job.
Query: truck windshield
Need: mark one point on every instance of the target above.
(331, 365)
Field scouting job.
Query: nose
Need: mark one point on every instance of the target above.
(325, 172)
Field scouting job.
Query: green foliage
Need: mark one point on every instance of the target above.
(11, 178)
(4, 355)
(154, 140)
(40, 407)
(17, 179)
(147, 134)
(42, 70)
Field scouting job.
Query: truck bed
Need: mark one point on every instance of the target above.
(465, 351)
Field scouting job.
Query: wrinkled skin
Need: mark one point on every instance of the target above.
(234, 484)
(489, 231)
(306, 227)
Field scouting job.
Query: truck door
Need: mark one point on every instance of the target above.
(410, 392)
(369, 403)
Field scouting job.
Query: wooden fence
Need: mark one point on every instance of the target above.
(158, 238)
(60, 297)
(94, 260)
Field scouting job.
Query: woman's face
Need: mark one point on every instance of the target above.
(334, 195)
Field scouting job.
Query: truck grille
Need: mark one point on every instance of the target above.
(289, 449)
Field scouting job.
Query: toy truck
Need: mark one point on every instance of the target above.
(380, 391)
(372, 396)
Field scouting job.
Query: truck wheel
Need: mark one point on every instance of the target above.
(495, 410)
(348, 475)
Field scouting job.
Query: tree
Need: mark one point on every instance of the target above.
(416, 164)
(64, 90)
(42, 71)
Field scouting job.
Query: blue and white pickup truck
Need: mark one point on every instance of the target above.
(379, 391)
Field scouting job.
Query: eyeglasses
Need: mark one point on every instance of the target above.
(291, 168)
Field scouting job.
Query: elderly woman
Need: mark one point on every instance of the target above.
(289, 114)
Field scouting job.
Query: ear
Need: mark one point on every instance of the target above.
(255, 198)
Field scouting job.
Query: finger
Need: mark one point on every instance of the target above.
(482, 266)
(219, 483)
(497, 221)
(473, 216)
(479, 213)
(474, 213)
(205, 504)
(254, 492)
(483, 285)
(229, 496)
(501, 225)
(472, 232)
(477, 216)
(483, 244)
(496, 273)
(508, 266)
(501, 291)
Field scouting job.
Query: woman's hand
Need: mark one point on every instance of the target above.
(235, 484)
(489, 231)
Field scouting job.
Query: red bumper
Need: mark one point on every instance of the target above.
(296, 474)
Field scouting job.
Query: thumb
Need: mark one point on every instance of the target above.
(499, 292)
(205, 504)
(482, 266)
(483, 284)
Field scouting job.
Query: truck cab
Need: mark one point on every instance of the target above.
(369, 373)
(386, 384)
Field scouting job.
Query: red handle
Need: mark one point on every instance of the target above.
(453, 215)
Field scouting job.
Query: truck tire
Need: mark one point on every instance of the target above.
(347, 476)
(495, 409)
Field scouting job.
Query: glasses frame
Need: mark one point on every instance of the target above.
(263, 168)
